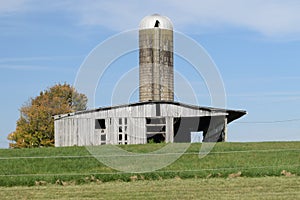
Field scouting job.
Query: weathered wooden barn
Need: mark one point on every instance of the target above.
(139, 123)
(156, 117)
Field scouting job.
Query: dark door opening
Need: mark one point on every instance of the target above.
(156, 138)
(183, 126)
(212, 128)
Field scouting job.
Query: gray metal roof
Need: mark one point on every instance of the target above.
(232, 114)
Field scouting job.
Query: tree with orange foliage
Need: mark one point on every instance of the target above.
(35, 127)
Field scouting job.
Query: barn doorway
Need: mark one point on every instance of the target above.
(185, 126)
(212, 128)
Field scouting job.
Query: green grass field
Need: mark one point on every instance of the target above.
(75, 165)
(212, 188)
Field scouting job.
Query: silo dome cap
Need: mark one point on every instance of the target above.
(153, 21)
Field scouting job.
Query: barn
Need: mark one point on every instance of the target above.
(143, 122)
(156, 117)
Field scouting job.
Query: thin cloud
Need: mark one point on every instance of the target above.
(39, 58)
(32, 68)
(295, 94)
(246, 79)
(24, 67)
(270, 18)
(12, 6)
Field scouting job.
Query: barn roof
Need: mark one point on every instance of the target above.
(231, 114)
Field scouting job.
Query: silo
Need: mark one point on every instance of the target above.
(156, 59)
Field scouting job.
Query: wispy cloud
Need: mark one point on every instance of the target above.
(12, 6)
(25, 67)
(270, 18)
(247, 79)
(295, 94)
(39, 58)
(32, 68)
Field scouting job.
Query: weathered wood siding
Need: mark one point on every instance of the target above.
(79, 128)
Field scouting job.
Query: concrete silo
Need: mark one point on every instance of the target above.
(156, 59)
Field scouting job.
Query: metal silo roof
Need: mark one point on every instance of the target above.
(156, 20)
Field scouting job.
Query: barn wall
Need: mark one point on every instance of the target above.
(79, 128)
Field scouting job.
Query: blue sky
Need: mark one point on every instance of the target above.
(255, 45)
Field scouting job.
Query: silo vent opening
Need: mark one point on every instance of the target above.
(156, 23)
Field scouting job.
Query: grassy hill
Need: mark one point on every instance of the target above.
(76, 165)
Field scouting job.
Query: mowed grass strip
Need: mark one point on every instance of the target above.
(214, 188)
(27, 166)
